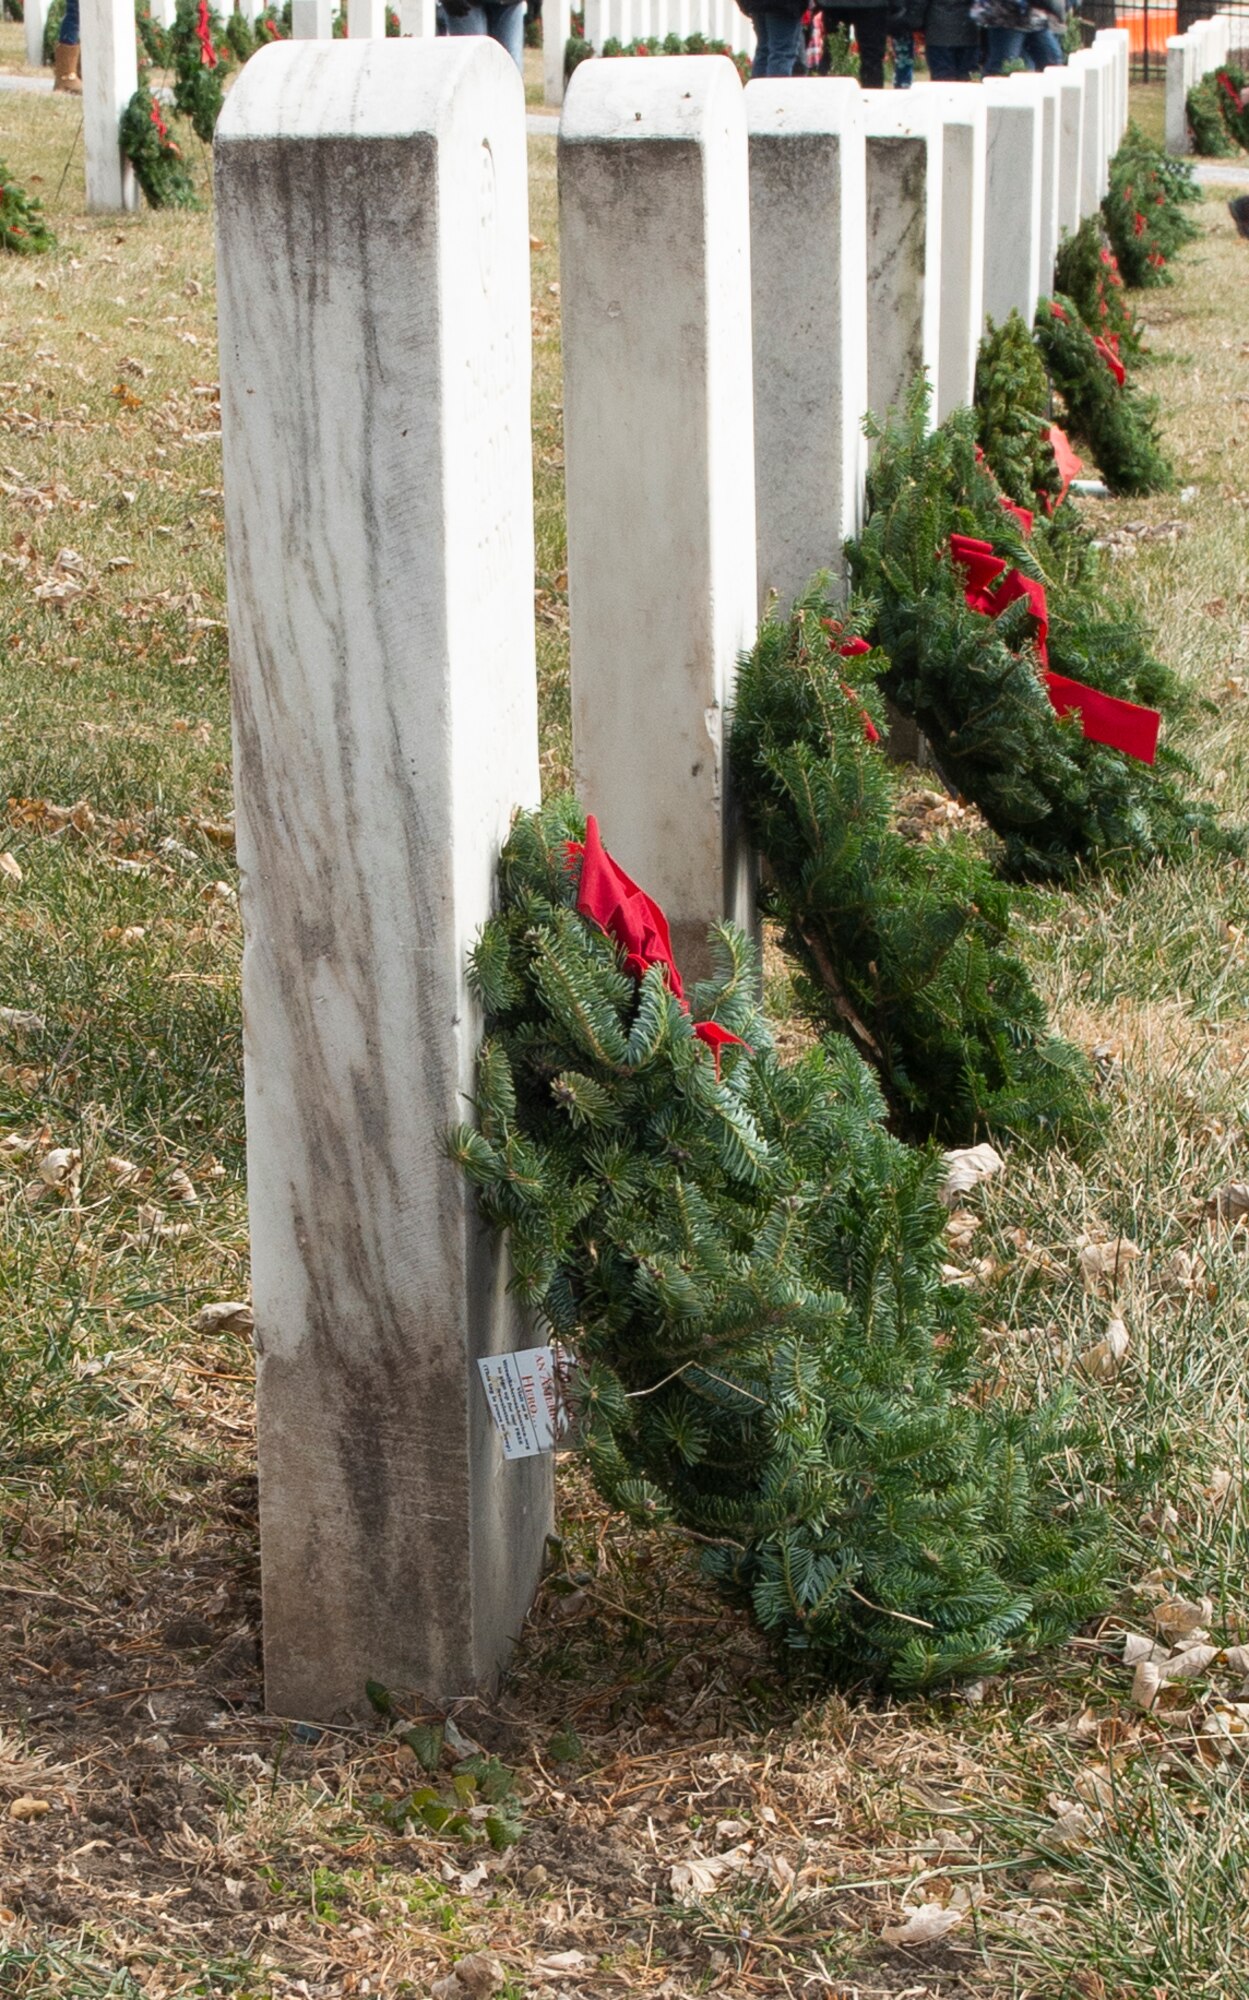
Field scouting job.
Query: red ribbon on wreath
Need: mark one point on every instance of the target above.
(1069, 466)
(851, 649)
(609, 898)
(1104, 718)
(204, 35)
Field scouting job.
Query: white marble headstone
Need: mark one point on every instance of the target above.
(375, 382)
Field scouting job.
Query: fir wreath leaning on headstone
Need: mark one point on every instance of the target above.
(1031, 678)
(904, 948)
(747, 1269)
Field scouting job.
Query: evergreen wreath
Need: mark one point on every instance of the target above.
(1116, 420)
(1204, 111)
(977, 685)
(1145, 209)
(1086, 271)
(1230, 82)
(158, 161)
(153, 41)
(1013, 421)
(23, 230)
(747, 1269)
(200, 58)
(906, 949)
(52, 31)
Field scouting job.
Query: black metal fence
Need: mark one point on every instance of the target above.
(1150, 22)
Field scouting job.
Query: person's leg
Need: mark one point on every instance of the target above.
(762, 24)
(506, 24)
(1042, 48)
(784, 43)
(1005, 45)
(66, 57)
(903, 61)
(870, 34)
(943, 64)
(473, 22)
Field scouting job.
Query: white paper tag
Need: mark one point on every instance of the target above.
(524, 1402)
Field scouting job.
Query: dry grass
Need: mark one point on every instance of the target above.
(691, 1821)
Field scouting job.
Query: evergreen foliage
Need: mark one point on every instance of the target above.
(153, 41)
(1206, 124)
(23, 230)
(747, 1269)
(157, 159)
(1012, 402)
(971, 682)
(1086, 271)
(1116, 420)
(1230, 82)
(200, 58)
(52, 31)
(673, 45)
(906, 948)
(1145, 209)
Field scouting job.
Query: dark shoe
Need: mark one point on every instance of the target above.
(1238, 209)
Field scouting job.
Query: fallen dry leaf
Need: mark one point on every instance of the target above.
(924, 1925)
(966, 1167)
(1105, 1263)
(59, 1168)
(1231, 1203)
(10, 869)
(699, 1874)
(231, 1316)
(27, 1807)
(1182, 1618)
(1102, 1361)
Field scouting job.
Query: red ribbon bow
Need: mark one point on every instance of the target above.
(1107, 345)
(1104, 718)
(1066, 461)
(606, 896)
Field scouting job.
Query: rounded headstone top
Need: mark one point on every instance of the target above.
(623, 97)
(365, 89)
(794, 106)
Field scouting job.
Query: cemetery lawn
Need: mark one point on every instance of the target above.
(689, 1821)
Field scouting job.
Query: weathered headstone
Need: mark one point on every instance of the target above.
(379, 549)
(1070, 143)
(1043, 87)
(34, 15)
(110, 77)
(808, 256)
(1012, 229)
(556, 28)
(366, 20)
(659, 475)
(904, 175)
(312, 20)
(963, 128)
(1093, 154)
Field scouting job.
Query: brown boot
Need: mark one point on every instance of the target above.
(65, 65)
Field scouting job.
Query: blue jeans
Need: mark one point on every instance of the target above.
(953, 65)
(69, 26)
(778, 44)
(1039, 49)
(504, 20)
(903, 61)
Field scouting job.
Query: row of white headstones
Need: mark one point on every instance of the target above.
(1204, 47)
(743, 274)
